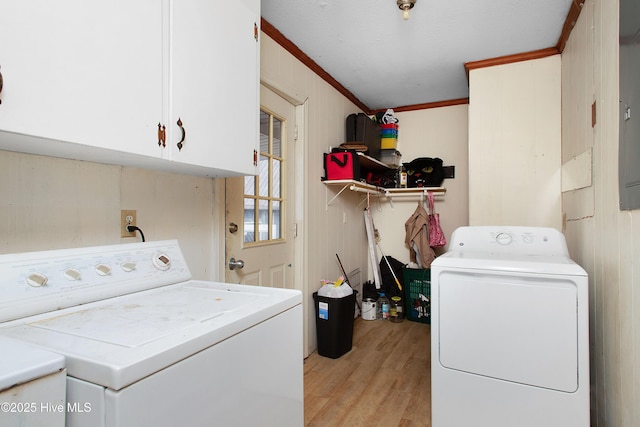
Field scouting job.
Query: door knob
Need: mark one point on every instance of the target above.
(235, 263)
(233, 227)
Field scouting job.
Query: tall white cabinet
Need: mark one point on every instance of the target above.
(109, 81)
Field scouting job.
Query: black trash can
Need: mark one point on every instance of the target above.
(334, 324)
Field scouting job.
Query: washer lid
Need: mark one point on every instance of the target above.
(146, 317)
(118, 341)
(21, 363)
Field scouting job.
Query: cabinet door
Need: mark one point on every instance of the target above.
(214, 85)
(82, 72)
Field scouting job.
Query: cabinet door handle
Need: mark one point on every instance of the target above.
(0, 87)
(162, 135)
(184, 134)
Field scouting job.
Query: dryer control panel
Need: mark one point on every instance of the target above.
(514, 240)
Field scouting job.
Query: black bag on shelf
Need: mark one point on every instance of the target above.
(424, 172)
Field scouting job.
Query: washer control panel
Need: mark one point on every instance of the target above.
(509, 239)
(37, 282)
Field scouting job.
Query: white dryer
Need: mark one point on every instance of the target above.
(509, 331)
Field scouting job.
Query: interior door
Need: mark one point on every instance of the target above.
(260, 225)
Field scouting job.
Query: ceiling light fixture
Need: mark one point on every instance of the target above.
(405, 6)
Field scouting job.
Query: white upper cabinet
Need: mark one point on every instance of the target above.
(214, 84)
(81, 72)
(94, 81)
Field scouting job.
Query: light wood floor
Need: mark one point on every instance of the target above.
(385, 380)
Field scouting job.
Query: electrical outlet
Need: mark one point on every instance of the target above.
(127, 217)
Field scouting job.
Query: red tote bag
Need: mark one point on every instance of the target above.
(437, 238)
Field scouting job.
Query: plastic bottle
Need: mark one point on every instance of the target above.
(396, 310)
(383, 307)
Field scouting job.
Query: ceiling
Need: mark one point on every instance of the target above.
(387, 62)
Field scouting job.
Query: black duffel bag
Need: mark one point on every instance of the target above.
(424, 172)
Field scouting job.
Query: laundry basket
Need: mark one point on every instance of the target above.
(417, 291)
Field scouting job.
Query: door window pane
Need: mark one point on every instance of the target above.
(249, 184)
(275, 175)
(263, 179)
(249, 220)
(264, 197)
(275, 220)
(263, 220)
(264, 130)
(277, 137)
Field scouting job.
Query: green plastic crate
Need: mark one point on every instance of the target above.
(417, 294)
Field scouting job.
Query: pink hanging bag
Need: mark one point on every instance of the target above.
(437, 238)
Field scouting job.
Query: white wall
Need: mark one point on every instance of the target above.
(52, 203)
(514, 144)
(435, 132)
(603, 239)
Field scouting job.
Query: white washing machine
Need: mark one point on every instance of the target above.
(144, 345)
(509, 331)
(32, 386)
